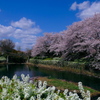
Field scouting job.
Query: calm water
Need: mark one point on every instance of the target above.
(10, 70)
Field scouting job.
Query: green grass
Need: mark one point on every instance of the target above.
(62, 84)
(48, 58)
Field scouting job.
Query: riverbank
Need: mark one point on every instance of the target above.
(63, 84)
(68, 69)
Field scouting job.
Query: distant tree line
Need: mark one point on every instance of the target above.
(81, 40)
(13, 56)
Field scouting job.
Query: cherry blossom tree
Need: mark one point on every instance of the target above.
(47, 45)
(56, 43)
(81, 40)
(42, 45)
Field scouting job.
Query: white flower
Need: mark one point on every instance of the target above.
(30, 81)
(14, 90)
(4, 91)
(44, 84)
(32, 98)
(15, 77)
(98, 98)
(26, 95)
(39, 83)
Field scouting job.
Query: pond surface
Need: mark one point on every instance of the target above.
(10, 70)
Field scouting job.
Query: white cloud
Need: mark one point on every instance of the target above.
(6, 30)
(86, 9)
(80, 6)
(24, 30)
(23, 23)
(83, 5)
(29, 39)
(73, 6)
(21, 33)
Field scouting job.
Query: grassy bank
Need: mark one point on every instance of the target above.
(68, 69)
(62, 84)
(60, 62)
(77, 66)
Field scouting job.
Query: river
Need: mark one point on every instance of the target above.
(18, 69)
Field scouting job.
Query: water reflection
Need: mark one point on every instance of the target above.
(86, 80)
(10, 70)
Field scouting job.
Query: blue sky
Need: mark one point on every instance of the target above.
(23, 21)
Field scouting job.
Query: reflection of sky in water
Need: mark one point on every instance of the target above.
(24, 71)
(18, 73)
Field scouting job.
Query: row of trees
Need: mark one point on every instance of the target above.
(81, 40)
(7, 50)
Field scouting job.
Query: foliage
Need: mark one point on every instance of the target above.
(17, 57)
(35, 61)
(15, 89)
(59, 62)
(6, 45)
(14, 56)
(2, 58)
(56, 58)
(47, 59)
(48, 62)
